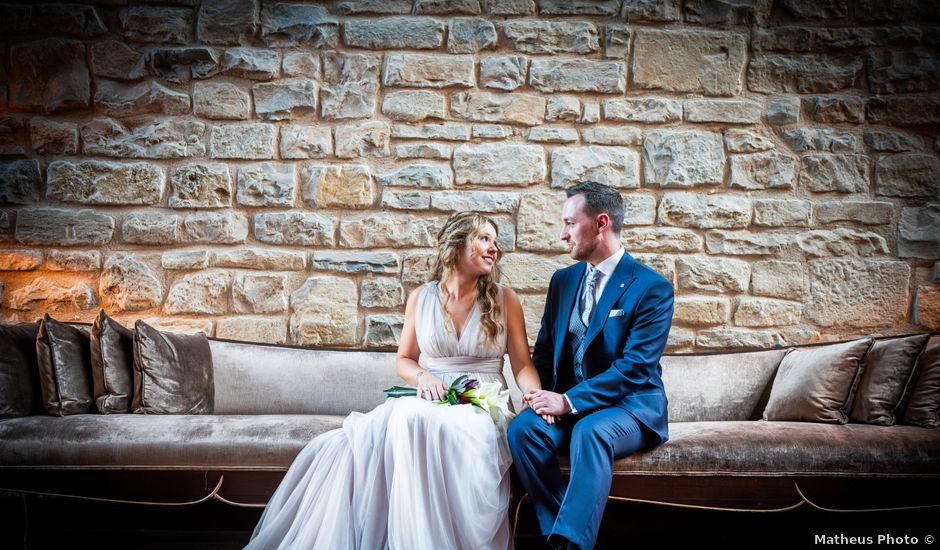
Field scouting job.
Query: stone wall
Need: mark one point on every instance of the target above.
(278, 171)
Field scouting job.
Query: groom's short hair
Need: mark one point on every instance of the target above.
(600, 198)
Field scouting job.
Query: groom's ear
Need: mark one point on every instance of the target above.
(602, 221)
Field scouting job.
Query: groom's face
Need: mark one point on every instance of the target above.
(579, 231)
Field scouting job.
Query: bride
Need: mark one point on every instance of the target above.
(412, 474)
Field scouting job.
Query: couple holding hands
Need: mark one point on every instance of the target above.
(413, 475)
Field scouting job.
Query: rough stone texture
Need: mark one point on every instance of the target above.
(823, 173)
(305, 142)
(215, 227)
(713, 274)
(53, 137)
(20, 260)
(350, 85)
(927, 308)
(822, 140)
(506, 108)
(782, 212)
(258, 258)
(665, 239)
(702, 310)
(919, 230)
(858, 293)
(503, 72)
(908, 175)
(388, 231)
(617, 41)
(185, 260)
(266, 330)
(746, 243)
(114, 59)
(738, 338)
(492, 131)
(305, 64)
(552, 37)
(160, 140)
(177, 325)
(892, 142)
(251, 63)
(365, 139)
(58, 226)
(346, 185)
(560, 108)
(180, 65)
(611, 135)
(96, 182)
(615, 166)
(49, 295)
(469, 35)
(447, 131)
(440, 7)
(704, 211)
(49, 75)
(294, 228)
(643, 110)
(510, 7)
(355, 262)
(763, 312)
(531, 272)
(732, 111)
(838, 109)
(557, 74)
(841, 242)
(783, 111)
(539, 222)
(226, 21)
(381, 292)
(205, 292)
(428, 71)
(499, 164)
(805, 74)
(20, 181)
(680, 339)
(406, 200)
(324, 312)
(242, 141)
(394, 33)
(579, 7)
(296, 24)
(912, 111)
(428, 176)
(479, 201)
(73, 260)
(383, 331)
(201, 185)
(127, 283)
(414, 105)
(285, 100)
(899, 72)
(863, 212)
(706, 62)
(149, 227)
(122, 100)
(552, 134)
(266, 184)
(157, 24)
(778, 279)
(770, 170)
(221, 101)
(259, 293)
(683, 158)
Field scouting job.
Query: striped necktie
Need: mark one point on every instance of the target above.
(588, 297)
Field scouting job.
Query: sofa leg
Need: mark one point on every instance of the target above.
(25, 506)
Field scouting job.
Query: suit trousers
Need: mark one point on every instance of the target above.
(594, 441)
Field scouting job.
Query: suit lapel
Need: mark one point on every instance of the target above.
(620, 281)
(567, 299)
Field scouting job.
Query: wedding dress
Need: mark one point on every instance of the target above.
(410, 474)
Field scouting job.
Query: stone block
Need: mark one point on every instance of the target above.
(20, 181)
(164, 139)
(683, 158)
(364, 139)
(49, 75)
(324, 312)
(764, 312)
(763, 171)
(266, 184)
(63, 227)
(664, 239)
(492, 131)
(205, 292)
(919, 232)
(526, 109)
(394, 33)
(894, 72)
(385, 7)
(531, 272)
(117, 60)
(617, 41)
(144, 98)
(381, 292)
(823, 172)
(470, 35)
(442, 7)
(406, 200)
(552, 134)
(783, 111)
(729, 111)
(383, 331)
(295, 228)
(52, 296)
(499, 164)
(650, 11)
(612, 135)
(73, 260)
(510, 7)
(180, 65)
(215, 227)
(428, 71)
(285, 100)
(803, 74)
(350, 85)
(201, 186)
(927, 307)
(185, 259)
(73, 19)
(448, 131)
(779, 279)
(862, 212)
(739, 140)
(158, 24)
(258, 258)
(52, 137)
(579, 7)
(702, 310)
(428, 176)
(385, 230)
(503, 72)
(294, 25)
(782, 212)
(306, 142)
(892, 142)
(127, 283)
(302, 64)
(20, 260)
(615, 166)
(539, 222)
(347, 186)
(227, 22)
(150, 227)
(821, 140)
(250, 63)
(704, 211)
(559, 74)
(552, 37)
(913, 111)
(259, 293)
(98, 182)
(907, 175)
(738, 339)
(475, 201)
(265, 330)
(841, 242)
(427, 150)
(414, 105)
(416, 268)
(567, 108)
(644, 109)
(858, 293)
(713, 274)
(221, 101)
(242, 141)
(839, 109)
(355, 262)
(695, 61)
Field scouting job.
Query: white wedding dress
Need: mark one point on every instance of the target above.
(410, 474)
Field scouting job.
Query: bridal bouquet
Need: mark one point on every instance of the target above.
(491, 397)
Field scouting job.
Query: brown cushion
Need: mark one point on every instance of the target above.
(816, 384)
(19, 373)
(112, 365)
(923, 408)
(887, 374)
(172, 372)
(63, 354)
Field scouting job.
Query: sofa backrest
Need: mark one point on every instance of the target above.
(265, 379)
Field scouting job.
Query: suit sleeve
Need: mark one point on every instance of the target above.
(543, 354)
(639, 357)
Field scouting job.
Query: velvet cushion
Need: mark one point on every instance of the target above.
(63, 353)
(887, 374)
(19, 373)
(816, 384)
(172, 372)
(112, 365)
(923, 407)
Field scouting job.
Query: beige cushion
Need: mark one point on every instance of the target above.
(887, 374)
(816, 384)
(172, 372)
(923, 408)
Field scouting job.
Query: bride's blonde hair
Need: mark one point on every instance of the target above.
(458, 232)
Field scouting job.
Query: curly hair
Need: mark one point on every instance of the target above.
(459, 231)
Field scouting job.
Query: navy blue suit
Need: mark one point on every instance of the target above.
(621, 402)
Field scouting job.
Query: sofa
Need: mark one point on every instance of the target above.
(269, 401)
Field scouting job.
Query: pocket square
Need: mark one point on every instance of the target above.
(615, 313)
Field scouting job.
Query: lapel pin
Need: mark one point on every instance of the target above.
(621, 285)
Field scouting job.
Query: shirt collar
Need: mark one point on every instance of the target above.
(608, 266)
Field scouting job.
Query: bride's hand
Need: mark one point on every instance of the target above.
(526, 397)
(431, 387)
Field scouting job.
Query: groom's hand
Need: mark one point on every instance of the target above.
(546, 402)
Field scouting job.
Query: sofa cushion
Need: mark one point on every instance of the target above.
(886, 375)
(112, 365)
(172, 372)
(816, 384)
(63, 353)
(923, 407)
(184, 442)
(19, 373)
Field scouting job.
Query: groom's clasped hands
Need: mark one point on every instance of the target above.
(547, 404)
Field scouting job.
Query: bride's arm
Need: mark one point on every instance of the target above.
(406, 363)
(518, 346)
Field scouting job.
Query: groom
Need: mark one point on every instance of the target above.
(603, 331)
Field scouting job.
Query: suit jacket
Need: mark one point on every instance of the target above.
(625, 339)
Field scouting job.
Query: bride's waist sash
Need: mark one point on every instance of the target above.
(464, 363)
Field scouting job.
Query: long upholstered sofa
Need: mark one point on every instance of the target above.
(271, 400)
